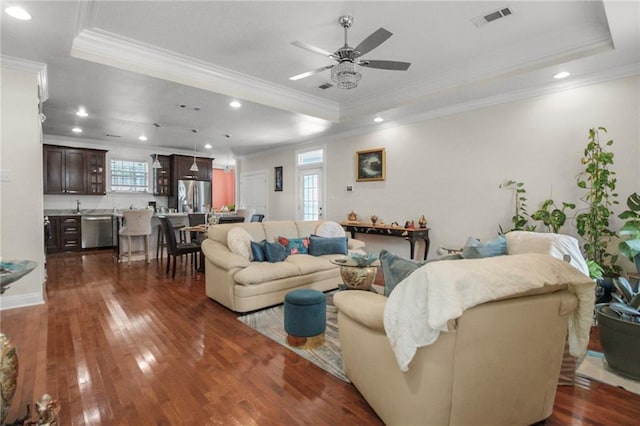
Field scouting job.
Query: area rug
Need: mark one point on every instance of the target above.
(593, 367)
(270, 322)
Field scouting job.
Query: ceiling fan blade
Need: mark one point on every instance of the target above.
(312, 48)
(385, 65)
(374, 40)
(310, 73)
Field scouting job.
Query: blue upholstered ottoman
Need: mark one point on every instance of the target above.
(305, 317)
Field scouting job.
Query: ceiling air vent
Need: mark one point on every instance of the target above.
(492, 16)
(113, 136)
(325, 86)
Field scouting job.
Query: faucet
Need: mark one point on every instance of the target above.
(78, 206)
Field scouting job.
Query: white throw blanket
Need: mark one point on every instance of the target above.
(420, 306)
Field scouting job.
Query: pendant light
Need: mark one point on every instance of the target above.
(194, 166)
(156, 163)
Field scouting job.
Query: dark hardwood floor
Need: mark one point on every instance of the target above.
(128, 345)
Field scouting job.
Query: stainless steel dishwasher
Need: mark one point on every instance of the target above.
(97, 231)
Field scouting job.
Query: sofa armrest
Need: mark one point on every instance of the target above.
(353, 244)
(221, 256)
(364, 307)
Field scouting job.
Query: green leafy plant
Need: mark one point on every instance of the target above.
(626, 302)
(600, 183)
(520, 219)
(551, 216)
(630, 231)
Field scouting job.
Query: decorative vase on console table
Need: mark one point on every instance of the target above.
(422, 222)
(374, 219)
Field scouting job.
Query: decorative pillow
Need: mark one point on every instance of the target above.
(239, 242)
(274, 252)
(295, 245)
(395, 269)
(322, 245)
(474, 249)
(258, 252)
(330, 229)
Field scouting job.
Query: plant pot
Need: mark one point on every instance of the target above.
(620, 343)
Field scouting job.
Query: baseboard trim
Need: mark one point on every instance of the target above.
(20, 301)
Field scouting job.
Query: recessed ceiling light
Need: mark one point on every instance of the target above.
(76, 130)
(142, 138)
(563, 74)
(208, 146)
(18, 13)
(235, 104)
(378, 119)
(81, 112)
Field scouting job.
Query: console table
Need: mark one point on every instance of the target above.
(412, 235)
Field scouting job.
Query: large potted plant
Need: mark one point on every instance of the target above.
(619, 325)
(592, 222)
(630, 231)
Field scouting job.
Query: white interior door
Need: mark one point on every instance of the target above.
(311, 193)
(253, 192)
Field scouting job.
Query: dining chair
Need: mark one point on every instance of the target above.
(231, 219)
(257, 218)
(196, 219)
(137, 223)
(175, 249)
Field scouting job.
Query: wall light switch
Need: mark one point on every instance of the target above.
(349, 188)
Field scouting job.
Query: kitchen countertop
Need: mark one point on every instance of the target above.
(99, 212)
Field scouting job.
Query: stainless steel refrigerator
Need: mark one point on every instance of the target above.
(193, 196)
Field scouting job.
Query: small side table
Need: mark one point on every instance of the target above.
(354, 276)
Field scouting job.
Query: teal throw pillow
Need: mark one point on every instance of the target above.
(396, 269)
(257, 251)
(295, 245)
(325, 245)
(274, 252)
(474, 249)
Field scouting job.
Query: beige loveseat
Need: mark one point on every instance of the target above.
(497, 365)
(244, 285)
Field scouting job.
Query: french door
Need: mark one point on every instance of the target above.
(310, 193)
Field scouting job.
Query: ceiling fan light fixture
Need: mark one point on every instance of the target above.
(345, 75)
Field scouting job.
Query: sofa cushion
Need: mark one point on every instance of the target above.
(319, 246)
(260, 272)
(329, 229)
(285, 228)
(395, 269)
(474, 249)
(274, 252)
(295, 245)
(239, 242)
(308, 264)
(257, 252)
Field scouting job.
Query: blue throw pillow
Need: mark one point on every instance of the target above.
(258, 252)
(324, 245)
(274, 252)
(395, 269)
(474, 249)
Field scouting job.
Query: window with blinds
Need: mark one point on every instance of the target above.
(129, 176)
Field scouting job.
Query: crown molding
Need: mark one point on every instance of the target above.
(38, 68)
(578, 44)
(125, 53)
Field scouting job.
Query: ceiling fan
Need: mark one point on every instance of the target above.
(345, 73)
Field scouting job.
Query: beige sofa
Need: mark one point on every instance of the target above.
(498, 365)
(244, 285)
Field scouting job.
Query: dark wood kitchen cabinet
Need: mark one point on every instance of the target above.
(162, 176)
(65, 234)
(182, 167)
(74, 171)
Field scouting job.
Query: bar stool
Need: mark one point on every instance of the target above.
(162, 242)
(137, 223)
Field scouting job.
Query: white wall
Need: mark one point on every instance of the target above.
(449, 168)
(21, 227)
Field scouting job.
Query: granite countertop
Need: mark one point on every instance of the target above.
(96, 212)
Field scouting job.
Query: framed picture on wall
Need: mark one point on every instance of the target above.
(370, 165)
(278, 178)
